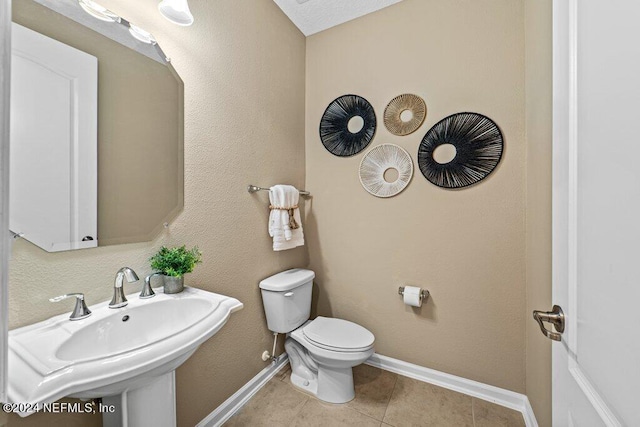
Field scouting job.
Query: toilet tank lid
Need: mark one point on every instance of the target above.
(287, 280)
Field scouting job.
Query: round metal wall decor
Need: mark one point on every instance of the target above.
(393, 114)
(335, 134)
(380, 159)
(478, 147)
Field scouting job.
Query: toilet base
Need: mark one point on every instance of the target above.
(335, 385)
(329, 384)
(306, 385)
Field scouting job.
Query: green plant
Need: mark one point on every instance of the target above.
(176, 262)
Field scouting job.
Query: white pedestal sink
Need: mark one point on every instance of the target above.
(126, 356)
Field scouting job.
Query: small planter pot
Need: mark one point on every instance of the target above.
(173, 285)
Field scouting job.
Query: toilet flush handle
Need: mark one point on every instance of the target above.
(288, 294)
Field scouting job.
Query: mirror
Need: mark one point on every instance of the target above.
(114, 174)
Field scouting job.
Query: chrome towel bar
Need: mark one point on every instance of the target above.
(253, 188)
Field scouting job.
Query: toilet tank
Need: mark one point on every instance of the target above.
(286, 298)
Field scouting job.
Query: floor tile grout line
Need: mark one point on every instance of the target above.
(346, 407)
(358, 411)
(368, 416)
(395, 383)
(473, 411)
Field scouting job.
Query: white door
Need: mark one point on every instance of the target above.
(53, 152)
(596, 212)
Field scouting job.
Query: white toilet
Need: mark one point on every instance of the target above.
(323, 351)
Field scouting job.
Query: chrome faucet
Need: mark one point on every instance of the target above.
(119, 299)
(147, 292)
(80, 311)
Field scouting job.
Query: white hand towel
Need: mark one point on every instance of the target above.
(284, 199)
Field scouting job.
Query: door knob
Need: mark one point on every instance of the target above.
(555, 317)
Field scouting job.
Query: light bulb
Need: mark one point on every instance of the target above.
(176, 11)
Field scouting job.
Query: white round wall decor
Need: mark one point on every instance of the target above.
(386, 170)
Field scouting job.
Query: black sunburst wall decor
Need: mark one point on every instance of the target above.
(334, 125)
(478, 143)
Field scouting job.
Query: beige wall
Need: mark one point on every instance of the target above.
(467, 247)
(538, 36)
(140, 135)
(242, 63)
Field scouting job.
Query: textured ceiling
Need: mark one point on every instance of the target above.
(312, 16)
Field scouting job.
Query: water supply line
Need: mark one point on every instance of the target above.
(266, 356)
(273, 352)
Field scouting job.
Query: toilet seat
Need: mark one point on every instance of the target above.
(338, 335)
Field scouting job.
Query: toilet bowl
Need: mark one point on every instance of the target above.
(323, 351)
(335, 346)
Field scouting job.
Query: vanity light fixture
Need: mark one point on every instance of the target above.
(98, 12)
(176, 11)
(141, 35)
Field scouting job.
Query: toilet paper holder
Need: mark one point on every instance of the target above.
(423, 295)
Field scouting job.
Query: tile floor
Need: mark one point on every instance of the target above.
(382, 399)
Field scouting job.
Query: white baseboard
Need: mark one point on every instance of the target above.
(499, 396)
(230, 406)
(529, 416)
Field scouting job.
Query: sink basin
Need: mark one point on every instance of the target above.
(113, 350)
(146, 325)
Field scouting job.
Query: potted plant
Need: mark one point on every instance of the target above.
(173, 264)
